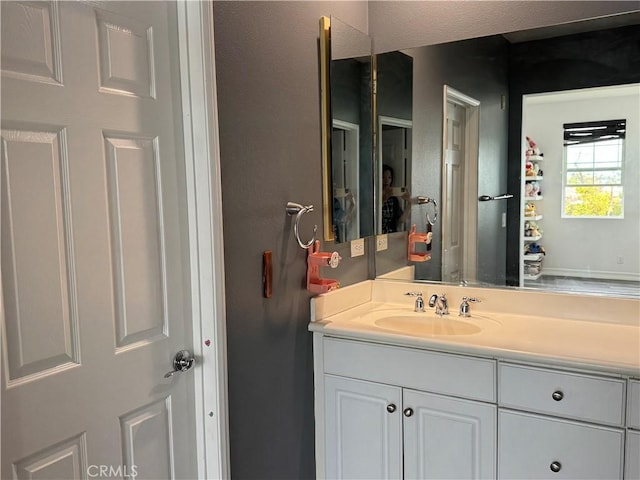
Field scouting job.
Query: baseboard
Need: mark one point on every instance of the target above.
(601, 275)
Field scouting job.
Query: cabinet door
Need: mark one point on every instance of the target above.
(632, 460)
(446, 437)
(536, 447)
(363, 422)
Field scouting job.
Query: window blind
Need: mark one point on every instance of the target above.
(591, 132)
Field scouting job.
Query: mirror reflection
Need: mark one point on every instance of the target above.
(394, 105)
(348, 201)
(474, 103)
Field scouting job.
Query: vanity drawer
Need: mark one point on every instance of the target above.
(572, 395)
(442, 373)
(633, 405)
(532, 446)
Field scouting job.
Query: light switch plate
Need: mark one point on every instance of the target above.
(357, 247)
(381, 242)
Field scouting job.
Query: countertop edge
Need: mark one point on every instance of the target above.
(486, 351)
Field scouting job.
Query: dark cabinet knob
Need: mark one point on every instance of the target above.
(557, 395)
(408, 412)
(555, 466)
(391, 408)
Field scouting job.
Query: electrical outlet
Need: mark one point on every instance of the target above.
(357, 247)
(381, 242)
(619, 259)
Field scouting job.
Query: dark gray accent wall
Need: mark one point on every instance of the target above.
(593, 59)
(267, 68)
(395, 85)
(477, 68)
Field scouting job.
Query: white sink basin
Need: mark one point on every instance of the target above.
(429, 324)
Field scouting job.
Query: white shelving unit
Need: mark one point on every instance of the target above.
(530, 263)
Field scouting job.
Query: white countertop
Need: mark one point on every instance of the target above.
(608, 346)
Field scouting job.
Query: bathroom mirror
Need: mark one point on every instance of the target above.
(346, 91)
(496, 88)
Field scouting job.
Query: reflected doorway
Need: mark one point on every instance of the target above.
(459, 186)
(345, 139)
(394, 150)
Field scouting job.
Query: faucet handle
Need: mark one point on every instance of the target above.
(464, 306)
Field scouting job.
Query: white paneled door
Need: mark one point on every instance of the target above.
(95, 279)
(454, 193)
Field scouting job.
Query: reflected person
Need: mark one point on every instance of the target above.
(392, 214)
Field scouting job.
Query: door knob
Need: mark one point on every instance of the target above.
(182, 362)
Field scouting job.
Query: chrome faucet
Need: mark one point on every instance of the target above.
(440, 303)
(419, 306)
(465, 309)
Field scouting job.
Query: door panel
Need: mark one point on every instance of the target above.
(448, 437)
(454, 194)
(93, 242)
(365, 437)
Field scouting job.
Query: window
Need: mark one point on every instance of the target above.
(593, 169)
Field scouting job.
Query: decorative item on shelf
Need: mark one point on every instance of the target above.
(528, 190)
(299, 211)
(315, 260)
(533, 152)
(533, 268)
(535, 188)
(531, 248)
(531, 169)
(531, 229)
(417, 238)
(529, 209)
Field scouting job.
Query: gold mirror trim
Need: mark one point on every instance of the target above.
(325, 101)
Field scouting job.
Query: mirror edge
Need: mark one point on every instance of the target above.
(325, 102)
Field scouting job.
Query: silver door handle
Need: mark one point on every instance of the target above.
(486, 198)
(182, 362)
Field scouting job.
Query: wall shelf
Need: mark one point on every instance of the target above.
(530, 262)
(532, 239)
(532, 277)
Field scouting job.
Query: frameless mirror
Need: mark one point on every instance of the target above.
(474, 103)
(346, 73)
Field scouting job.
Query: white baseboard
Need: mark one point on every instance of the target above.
(603, 275)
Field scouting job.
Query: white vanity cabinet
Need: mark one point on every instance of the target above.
(632, 459)
(395, 412)
(559, 424)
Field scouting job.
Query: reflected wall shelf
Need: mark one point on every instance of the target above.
(531, 267)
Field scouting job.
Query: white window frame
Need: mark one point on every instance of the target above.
(592, 169)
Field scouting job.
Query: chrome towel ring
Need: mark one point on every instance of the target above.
(425, 200)
(298, 210)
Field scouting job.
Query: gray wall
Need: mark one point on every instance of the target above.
(477, 68)
(405, 24)
(269, 110)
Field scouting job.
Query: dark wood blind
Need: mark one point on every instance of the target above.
(591, 132)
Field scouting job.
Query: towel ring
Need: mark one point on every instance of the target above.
(298, 210)
(426, 200)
